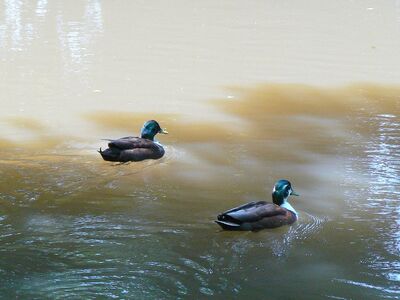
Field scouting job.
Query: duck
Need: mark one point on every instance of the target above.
(254, 216)
(131, 148)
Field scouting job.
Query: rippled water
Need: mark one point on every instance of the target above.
(72, 225)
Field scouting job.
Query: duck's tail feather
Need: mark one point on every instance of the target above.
(228, 225)
(109, 154)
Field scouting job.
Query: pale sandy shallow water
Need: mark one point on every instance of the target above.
(220, 78)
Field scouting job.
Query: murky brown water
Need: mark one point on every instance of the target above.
(72, 225)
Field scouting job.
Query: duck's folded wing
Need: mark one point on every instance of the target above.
(131, 143)
(244, 206)
(252, 212)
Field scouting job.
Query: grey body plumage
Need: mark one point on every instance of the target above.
(258, 215)
(136, 148)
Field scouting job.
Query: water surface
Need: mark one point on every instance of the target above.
(72, 225)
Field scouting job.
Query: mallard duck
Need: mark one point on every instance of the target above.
(136, 148)
(258, 215)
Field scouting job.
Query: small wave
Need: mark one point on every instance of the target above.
(307, 226)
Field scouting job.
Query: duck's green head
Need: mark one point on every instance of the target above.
(282, 190)
(150, 129)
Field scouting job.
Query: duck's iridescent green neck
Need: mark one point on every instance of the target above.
(277, 198)
(149, 130)
(282, 190)
(147, 135)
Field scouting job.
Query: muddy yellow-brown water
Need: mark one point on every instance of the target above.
(75, 226)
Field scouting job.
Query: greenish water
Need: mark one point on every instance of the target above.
(72, 225)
